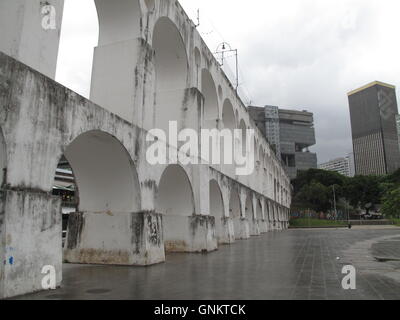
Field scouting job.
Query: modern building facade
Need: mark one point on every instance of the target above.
(373, 110)
(340, 165)
(290, 134)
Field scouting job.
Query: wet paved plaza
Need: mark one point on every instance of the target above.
(295, 264)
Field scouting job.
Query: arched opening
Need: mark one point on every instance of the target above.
(260, 158)
(78, 38)
(228, 116)
(171, 67)
(235, 212)
(261, 216)
(64, 186)
(3, 158)
(259, 212)
(104, 173)
(170, 56)
(250, 213)
(229, 122)
(274, 215)
(97, 182)
(243, 128)
(175, 201)
(217, 207)
(209, 91)
(119, 20)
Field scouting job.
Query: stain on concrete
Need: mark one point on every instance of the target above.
(75, 226)
(137, 232)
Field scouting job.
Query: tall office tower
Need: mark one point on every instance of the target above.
(373, 110)
(290, 134)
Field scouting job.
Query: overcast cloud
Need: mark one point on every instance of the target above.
(299, 54)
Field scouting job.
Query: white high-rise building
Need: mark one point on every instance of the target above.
(343, 166)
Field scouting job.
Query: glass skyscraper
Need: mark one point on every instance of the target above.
(373, 111)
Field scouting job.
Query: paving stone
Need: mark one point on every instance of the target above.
(297, 264)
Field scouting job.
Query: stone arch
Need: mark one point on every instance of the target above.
(217, 207)
(175, 201)
(235, 212)
(249, 208)
(270, 211)
(229, 123)
(171, 60)
(243, 128)
(171, 72)
(259, 212)
(175, 193)
(3, 158)
(104, 172)
(119, 20)
(251, 215)
(209, 91)
(228, 115)
(107, 198)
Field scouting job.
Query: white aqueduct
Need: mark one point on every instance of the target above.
(150, 66)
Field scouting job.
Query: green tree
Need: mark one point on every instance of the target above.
(314, 196)
(393, 178)
(363, 191)
(326, 178)
(391, 203)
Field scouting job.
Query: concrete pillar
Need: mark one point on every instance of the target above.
(191, 234)
(263, 225)
(30, 32)
(122, 73)
(244, 224)
(118, 239)
(253, 220)
(244, 229)
(30, 239)
(227, 233)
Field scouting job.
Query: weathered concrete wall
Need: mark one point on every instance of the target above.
(130, 222)
(40, 120)
(30, 240)
(122, 239)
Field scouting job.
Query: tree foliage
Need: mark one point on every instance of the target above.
(313, 189)
(314, 196)
(391, 203)
(363, 191)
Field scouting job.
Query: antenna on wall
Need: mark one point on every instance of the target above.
(198, 18)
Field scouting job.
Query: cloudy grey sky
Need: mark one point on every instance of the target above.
(300, 54)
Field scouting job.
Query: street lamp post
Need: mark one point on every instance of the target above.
(223, 48)
(334, 202)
